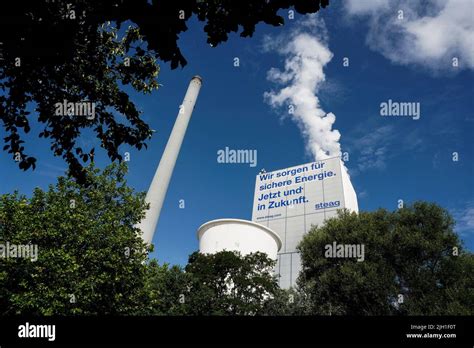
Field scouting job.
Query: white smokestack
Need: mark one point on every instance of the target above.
(306, 54)
(157, 191)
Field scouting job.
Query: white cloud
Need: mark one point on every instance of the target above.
(306, 54)
(51, 170)
(372, 149)
(430, 34)
(366, 7)
(465, 219)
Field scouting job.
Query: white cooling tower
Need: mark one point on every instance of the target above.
(238, 235)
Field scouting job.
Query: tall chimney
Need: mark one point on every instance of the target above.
(157, 191)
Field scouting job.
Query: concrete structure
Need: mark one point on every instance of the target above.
(289, 201)
(157, 191)
(238, 235)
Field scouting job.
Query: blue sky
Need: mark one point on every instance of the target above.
(390, 158)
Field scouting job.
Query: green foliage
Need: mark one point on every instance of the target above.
(69, 51)
(288, 302)
(408, 252)
(91, 258)
(88, 247)
(164, 288)
(224, 283)
(95, 73)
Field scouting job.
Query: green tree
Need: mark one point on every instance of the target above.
(224, 283)
(414, 264)
(91, 258)
(165, 287)
(68, 50)
(227, 283)
(96, 73)
(288, 302)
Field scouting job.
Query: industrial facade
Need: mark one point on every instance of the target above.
(291, 200)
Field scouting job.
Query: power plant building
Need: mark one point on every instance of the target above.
(287, 203)
(290, 201)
